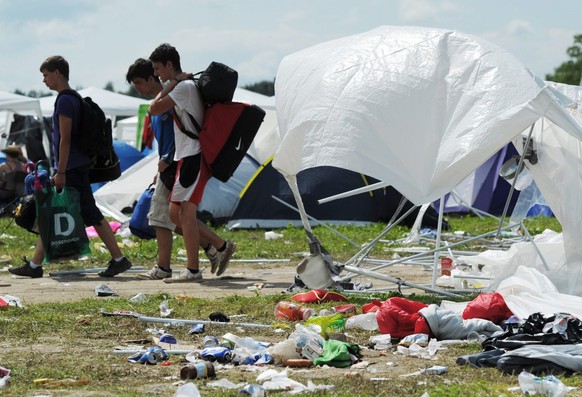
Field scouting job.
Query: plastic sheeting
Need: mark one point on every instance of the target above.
(418, 108)
(558, 175)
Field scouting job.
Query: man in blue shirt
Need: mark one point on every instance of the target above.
(141, 75)
(72, 169)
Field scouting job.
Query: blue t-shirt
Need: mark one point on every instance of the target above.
(68, 106)
(163, 127)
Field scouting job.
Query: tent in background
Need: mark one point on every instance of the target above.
(112, 103)
(258, 209)
(11, 104)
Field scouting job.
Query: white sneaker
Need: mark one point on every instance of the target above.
(224, 257)
(212, 255)
(185, 276)
(156, 273)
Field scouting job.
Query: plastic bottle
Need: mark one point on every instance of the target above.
(253, 390)
(198, 370)
(292, 311)
(365, 321)
(548, 385)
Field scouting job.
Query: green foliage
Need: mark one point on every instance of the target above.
(263, 87)
(570, 72)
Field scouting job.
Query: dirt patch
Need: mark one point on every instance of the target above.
(242, 279)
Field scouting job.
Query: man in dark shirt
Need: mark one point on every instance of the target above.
(72, 169)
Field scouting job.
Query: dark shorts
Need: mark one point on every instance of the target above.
(78, 178)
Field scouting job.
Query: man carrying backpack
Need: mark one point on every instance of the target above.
(141, 75)
(72, 168)
(181, 95)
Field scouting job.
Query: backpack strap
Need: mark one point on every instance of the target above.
(183, 129)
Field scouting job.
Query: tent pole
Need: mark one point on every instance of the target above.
(531, 240)
(476, 211)
(436, 255)
(316, 221)
(449, 246)
(519, 165)
(398, 281)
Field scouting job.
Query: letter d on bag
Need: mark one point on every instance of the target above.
(64, 219)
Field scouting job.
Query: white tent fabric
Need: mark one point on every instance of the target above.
(558, 175)
(418, 108)
(14, 103)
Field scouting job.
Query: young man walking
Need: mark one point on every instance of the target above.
(141, 75)
(181, 95)
(72, 169)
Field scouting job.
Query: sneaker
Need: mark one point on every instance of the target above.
(212, 255)
(224, 257)
(27, 271)
(185, 276)
(114, 268)
(156, 273)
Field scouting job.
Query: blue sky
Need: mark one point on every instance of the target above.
(101, 38)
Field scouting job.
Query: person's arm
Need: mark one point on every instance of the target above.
(163, 102)
(65, 127)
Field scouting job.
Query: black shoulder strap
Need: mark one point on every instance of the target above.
(69, 92)
(183, 129)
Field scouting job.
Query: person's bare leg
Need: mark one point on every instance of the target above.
(106, 235)
(165, 241)
(191, 234)
(38, 256)
(207, 236)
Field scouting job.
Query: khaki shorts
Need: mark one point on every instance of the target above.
(159, 215)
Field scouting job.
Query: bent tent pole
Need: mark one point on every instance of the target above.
(476, 211)
(316, 221)
(438, 241)
(367, 248)
(363, 254)
(381, 276)
(449, 246)
(512, 189)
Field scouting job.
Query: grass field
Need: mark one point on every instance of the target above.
(72, 342)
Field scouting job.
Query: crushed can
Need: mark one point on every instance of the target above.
(216, 354)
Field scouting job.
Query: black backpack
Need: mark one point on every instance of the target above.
(96, 131)
(217, 83)
(96, 140)
(229, 127)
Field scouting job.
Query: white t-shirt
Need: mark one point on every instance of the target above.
(187, 99)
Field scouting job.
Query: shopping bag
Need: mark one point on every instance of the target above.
(60, 223)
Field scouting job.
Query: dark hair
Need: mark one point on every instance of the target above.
(164, 53)
(56, 62)
(140, 68)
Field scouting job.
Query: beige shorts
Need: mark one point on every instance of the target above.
(159, 215)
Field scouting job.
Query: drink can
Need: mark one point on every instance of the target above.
(198, 370)
(210, 341)
(216, 353)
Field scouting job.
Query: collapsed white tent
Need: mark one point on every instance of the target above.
(417, 108)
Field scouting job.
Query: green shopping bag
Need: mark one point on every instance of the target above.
(60, 223)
